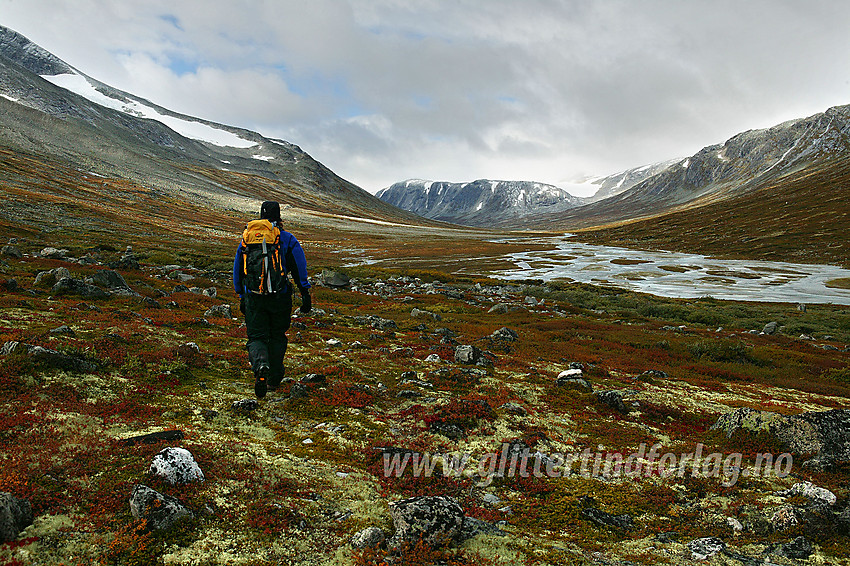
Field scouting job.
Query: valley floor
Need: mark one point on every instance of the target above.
(377, 371)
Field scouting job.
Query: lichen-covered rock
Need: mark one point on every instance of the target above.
(244, 406)
(799, 549)
(49, 278)
(505, 334)
(573, 378)
(50, 358)
(436, 520)
(472, 527)
(467, 354)
(371, 537)
(601, 518)
(826, 434)
(69, 286)
(816, 495)
(53, 253)
(15, 516)
(613, 399)
(332, 278)
(417, 313)
(109, 279)
(160, 511)
(176, 466)
(11, 251)
(705, 548)
(218, 311)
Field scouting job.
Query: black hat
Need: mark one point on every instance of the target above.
(270, 210)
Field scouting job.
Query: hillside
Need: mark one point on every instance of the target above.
(104, 131)
(802, 217)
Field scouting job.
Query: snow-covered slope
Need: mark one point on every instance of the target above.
(479, 203)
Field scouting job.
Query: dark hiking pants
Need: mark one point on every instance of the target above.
(267, 318)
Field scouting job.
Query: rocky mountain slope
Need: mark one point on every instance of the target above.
(49, 109)
(747, 162)
(479, 203)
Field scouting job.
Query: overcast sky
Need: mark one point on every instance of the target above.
(457, 90)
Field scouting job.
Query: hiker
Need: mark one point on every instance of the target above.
(264, 257)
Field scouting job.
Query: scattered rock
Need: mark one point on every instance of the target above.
(785, 518)
(823, 433)
(160, 511)
(64, 329)
(798, 549)
(580, 384)
(801, 307)
(433, 359)
(331, 278)
(109, 279)
(505, 334)
(472, 527)
(514, 409)
(504, 308)
(53, 253)
(417, 313)
(613, 399)
(467, 354)
(705, 548)
(298, 390)
(188, 350)
(15, 516)
(370, 537)
(49, 278)
(50, 358)
(180, 288)
(654, 374)
(11, 251)
(69, 286)
(601, 518)
(176, 466)
(245, 406)
(211, 292)
(771, 327)
(218, 311)
(816, 495)
(436, 520)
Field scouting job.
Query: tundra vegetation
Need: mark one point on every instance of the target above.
(291, 480)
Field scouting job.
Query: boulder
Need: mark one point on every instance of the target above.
(109, 279)
(816, 495)
(332, 278)
(826, 434)
(504, 308)
(371, 537)
(705, 548)
(505, 334)
(50, 358)
(798, 549)
(176, 466)
(53, 253)
(436, 520)
(160, 511)
(603, 519)
(218, 311)
(467, 354)
(68, 286)
(49, 278)
(417, 313)
(770, 327)
(11, 251)
(613, 399)
(15, 516)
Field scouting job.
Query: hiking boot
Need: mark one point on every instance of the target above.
(260, 381)
(274, 384)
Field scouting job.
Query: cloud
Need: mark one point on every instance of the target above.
(383, 90)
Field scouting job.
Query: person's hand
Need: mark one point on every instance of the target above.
(306, 301)
(242, 305)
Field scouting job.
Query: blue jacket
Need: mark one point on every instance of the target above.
(295, 263)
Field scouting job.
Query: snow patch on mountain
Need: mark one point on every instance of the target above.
(80, 85)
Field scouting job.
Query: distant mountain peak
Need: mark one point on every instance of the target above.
(482, 202)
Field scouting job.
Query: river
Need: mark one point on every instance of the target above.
(672, 274)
